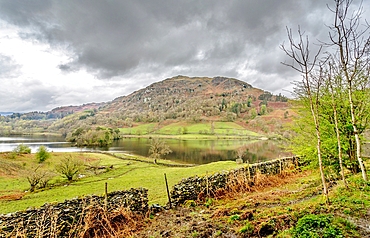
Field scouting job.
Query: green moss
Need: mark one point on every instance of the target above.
(247, 229)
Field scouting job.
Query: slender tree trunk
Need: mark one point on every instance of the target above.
(300, 54)
(321, 167)
(355, 131)
(315, 117)
(332, 82)
(340, 157)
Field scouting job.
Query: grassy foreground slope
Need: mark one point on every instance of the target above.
(125, 174)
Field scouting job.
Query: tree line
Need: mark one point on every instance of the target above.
(333, 94)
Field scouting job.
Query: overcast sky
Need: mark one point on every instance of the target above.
(58, 53)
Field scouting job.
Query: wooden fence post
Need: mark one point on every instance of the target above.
(168, 191)
(207, 186)
(106, 196)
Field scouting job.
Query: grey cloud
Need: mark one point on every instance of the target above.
(124, 40)
(8, 67)
(66, 68)
(112, 38)
(30, 94)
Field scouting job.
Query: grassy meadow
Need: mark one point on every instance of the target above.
(186, 130)
(126, 174)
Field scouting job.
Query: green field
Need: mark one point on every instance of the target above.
(191, 130)
(125, 174)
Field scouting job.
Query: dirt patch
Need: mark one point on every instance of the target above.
(12, 197)
(184, 222)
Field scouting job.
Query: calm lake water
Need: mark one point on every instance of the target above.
(188, 151)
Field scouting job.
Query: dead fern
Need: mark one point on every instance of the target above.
(98, 222)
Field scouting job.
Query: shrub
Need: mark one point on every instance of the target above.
(263, 110)
(38, 177)
(316, 226)
(185, 130)
(253, 113)
(42, 154)
(22, 149)
(69, 167)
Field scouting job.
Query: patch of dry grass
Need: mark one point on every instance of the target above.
(98, 222)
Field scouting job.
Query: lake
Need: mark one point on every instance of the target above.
(186, 151)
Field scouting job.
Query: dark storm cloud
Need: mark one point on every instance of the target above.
(118, 39)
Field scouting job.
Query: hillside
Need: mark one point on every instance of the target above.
(181, 98)
(80, 108)
(193, 98)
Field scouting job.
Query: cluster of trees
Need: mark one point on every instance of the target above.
(37, 122)
(98, 136)
(333, 95)
(16, 126)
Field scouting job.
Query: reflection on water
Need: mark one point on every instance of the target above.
(188, 151)
(205, 151)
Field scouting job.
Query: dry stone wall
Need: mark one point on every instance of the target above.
(58, 219)
(191, 188)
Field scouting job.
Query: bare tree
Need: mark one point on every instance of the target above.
(309, 87)
(37, 177)
(158, 148)
(350, 37)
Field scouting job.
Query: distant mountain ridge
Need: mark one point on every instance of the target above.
(56, 113)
